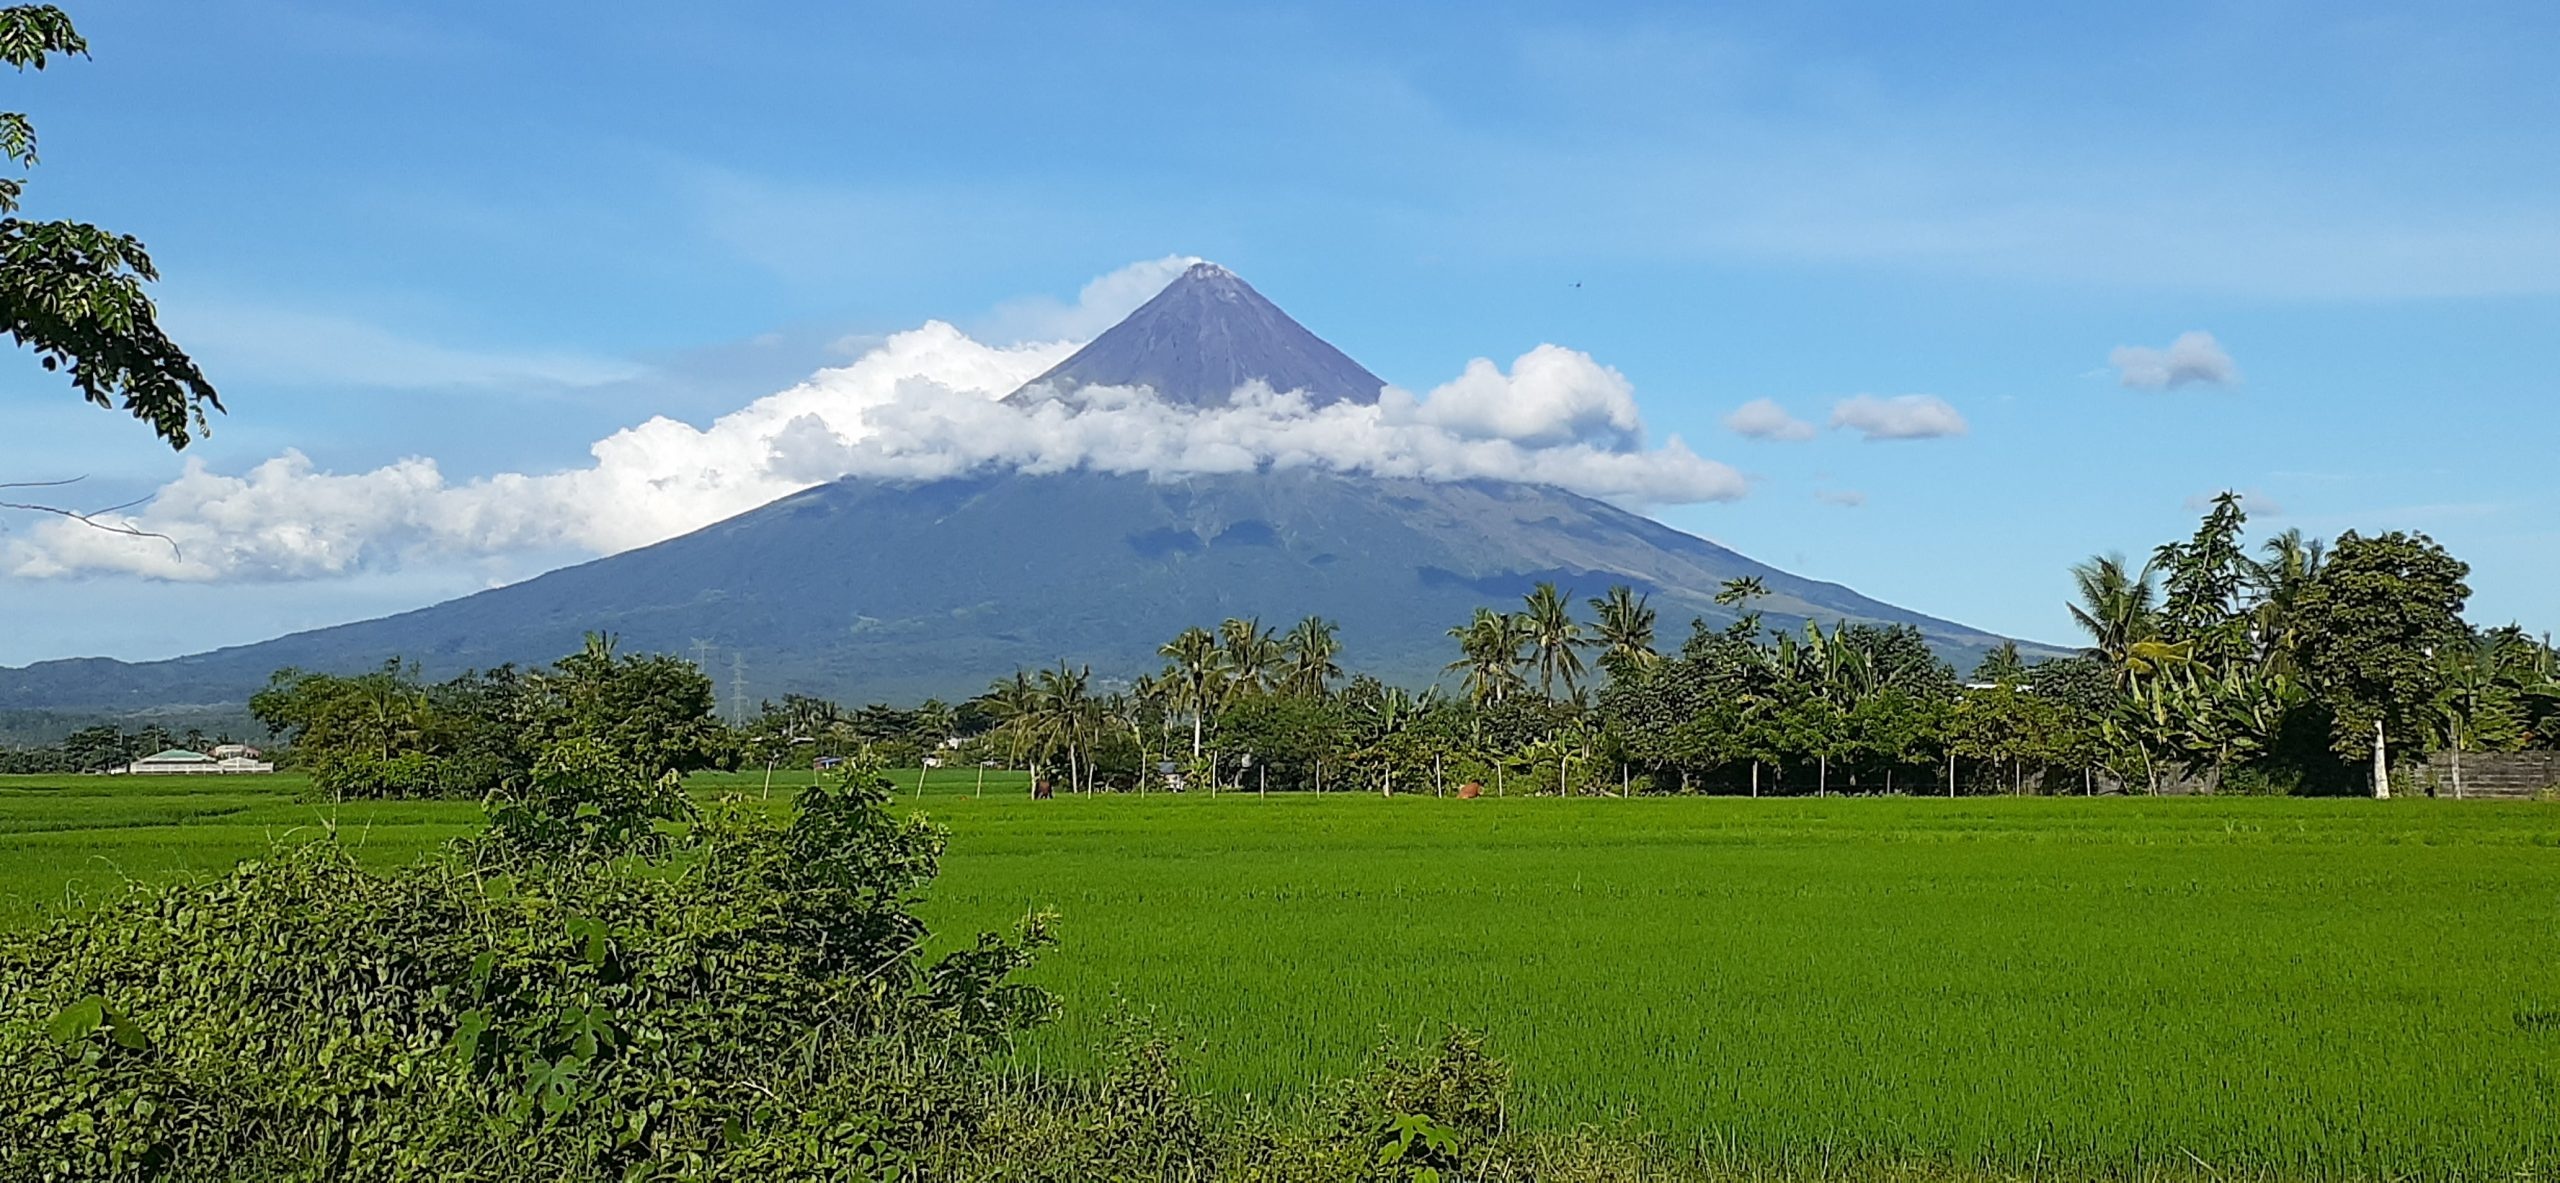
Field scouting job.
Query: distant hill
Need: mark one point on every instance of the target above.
(868, 590)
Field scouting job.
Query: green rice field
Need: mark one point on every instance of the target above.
(2296, 988)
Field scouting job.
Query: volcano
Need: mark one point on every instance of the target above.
(872, 590)
(1202, 338)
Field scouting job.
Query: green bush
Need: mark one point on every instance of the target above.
(587, 992)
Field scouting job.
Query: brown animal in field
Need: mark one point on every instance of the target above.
(1470, 791)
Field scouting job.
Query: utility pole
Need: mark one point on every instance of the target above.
(737, 687)
(2381, 765)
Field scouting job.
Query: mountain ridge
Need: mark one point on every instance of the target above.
(865, 589)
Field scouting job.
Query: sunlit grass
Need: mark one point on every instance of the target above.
(2326, 988)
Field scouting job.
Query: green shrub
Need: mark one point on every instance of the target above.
(584, 993)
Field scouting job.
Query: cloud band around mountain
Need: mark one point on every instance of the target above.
(921, 405)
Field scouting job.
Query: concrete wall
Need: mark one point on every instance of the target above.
(2510, 775)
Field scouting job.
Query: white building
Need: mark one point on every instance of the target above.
(179, 761)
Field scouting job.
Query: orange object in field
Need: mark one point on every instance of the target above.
(1470, 791)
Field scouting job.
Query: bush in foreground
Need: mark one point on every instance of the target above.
(585, 992)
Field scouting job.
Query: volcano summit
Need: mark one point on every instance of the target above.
(865, 588)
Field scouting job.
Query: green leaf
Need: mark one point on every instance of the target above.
(467, 1033)
(90, 1015)
(126, 1032)
(77, 1020)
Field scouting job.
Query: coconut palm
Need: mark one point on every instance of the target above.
(1015, 706)
(1489, 647)
(2280, 580)
(1193, 674)
(1624, 630)
(1740, 593)
(1555, 639)
(1252, 656)
(1065, 714)
(2116, 608)
(1307, 656)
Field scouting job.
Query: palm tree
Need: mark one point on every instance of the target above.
(1016, 705)
(1554, 639)
(1489, 646)
(1625, 630)
(934, 722)
(1194, 671)
(2116, 609)
(2293, 562)
(1308, 652)
(1065, 714)
(1251, 655)
(1740, 592)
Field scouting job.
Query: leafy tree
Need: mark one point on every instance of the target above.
(2480, 699)
(73, 293)
(2371, 624)
(654, 709)
(2203, 579)
(1289, 738)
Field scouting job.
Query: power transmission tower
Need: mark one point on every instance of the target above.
(702, 654)
(737, 687)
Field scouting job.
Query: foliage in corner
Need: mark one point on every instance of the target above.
(73, 293)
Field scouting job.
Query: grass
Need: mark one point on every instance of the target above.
(2298, 988)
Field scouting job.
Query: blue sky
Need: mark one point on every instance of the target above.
(494, 235)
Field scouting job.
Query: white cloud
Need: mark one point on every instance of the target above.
(2194, 359)
(1764, 419)
(1552, 395)
(1840, 498)
(1901, 417)
(1100, 305)
(921, 405)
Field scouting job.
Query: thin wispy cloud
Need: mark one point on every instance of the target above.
(1840, 498)
(1101, 304)
(1899, 417)
(272, 343)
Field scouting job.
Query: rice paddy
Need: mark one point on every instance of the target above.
(2269, 987)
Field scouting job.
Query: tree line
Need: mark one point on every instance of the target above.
(2306, 666)
(2209, 664)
